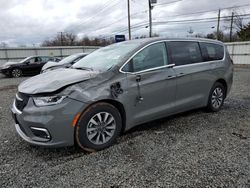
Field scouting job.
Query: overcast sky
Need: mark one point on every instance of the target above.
(28, 22)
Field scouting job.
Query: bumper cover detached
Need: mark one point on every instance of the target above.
(48, 126)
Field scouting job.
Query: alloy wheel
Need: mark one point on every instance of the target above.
(16, 73)
(217, 97)
(101, 128)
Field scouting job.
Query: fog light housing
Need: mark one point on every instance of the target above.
(41, 133)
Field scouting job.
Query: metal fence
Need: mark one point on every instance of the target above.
(17, 54)
(239, 52)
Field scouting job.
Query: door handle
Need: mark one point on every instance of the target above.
(170, 65)
(181, 74)
(171, 76)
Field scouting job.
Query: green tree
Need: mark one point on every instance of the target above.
(244, 33)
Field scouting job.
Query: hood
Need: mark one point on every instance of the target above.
(9, 63)
(49, 64)
(53, 80)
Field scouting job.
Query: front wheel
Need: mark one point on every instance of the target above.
(16, 73)
(98, 127)
(216, 97)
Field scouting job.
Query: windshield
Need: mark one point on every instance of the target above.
(68, 59)
(105, 58)
(27, 58)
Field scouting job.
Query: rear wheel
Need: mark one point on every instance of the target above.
(216, 97)
(98, 127)
(16, 73)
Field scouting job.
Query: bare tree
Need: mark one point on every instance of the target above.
(62, 39)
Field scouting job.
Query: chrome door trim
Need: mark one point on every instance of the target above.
(170, 65)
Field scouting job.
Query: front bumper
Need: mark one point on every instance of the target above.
(5, 71)
(53, 122)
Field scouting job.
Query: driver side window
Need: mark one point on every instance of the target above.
(31, 61)
(151, 57)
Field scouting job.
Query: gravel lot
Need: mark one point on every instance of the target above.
(193, 149)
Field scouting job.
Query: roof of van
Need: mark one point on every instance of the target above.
(155, 39)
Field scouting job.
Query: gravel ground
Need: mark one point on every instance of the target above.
(193, 149)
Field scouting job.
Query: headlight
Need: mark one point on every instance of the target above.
(5, 67)
(47, 101)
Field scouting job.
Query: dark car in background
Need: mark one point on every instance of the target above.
(29, 66)
(66, 62)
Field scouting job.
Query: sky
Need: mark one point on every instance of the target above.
(30, 22)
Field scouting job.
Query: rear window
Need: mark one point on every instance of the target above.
(212, 52)
(183, 53)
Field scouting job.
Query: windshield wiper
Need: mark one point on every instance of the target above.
(83, 68)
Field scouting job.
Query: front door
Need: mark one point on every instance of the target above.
(151, 85)
(32, 65)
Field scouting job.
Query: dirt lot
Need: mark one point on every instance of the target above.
(194, 149)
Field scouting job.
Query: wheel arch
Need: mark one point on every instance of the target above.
(223, 82)
(118, 105)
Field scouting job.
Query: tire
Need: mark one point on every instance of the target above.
(98, 127)
(216, 97)
(15, 73)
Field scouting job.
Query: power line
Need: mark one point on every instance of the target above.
(167, 3)
(207, 11)
(199, 19)
(106, 6)
(194, 13)
(118, 21)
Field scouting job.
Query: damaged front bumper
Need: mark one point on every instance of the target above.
(49, 126)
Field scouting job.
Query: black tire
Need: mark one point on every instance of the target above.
(81, 135)
(16, 73)
(212, 105)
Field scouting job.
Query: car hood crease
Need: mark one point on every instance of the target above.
(54, 80)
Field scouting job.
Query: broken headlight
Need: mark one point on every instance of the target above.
(48, 101)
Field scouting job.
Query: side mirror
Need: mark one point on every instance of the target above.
(27, 62)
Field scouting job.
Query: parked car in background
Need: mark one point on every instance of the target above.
(66, 62)
(120, 86)
(29, 66)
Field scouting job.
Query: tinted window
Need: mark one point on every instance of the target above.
(151, 57)
(211, 52)
(34, 60)
(183, 53)
(45, 59)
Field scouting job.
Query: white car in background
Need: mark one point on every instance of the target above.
(66, 62)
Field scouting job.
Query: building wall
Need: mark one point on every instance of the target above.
(239, 52)
(17, 54)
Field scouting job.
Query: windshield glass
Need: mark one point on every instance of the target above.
(27, 58)
(68, 59)
(105, 58)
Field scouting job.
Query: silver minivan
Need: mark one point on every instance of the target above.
(120, 86)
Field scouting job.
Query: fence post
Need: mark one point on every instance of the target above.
(6, 54)
(61, 52)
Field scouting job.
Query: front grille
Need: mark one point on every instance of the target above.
(21, 101)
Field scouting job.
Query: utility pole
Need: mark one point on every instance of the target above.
(61, 38)
(150, 18)
(231, 27)
(129, 28)
(218, 26)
